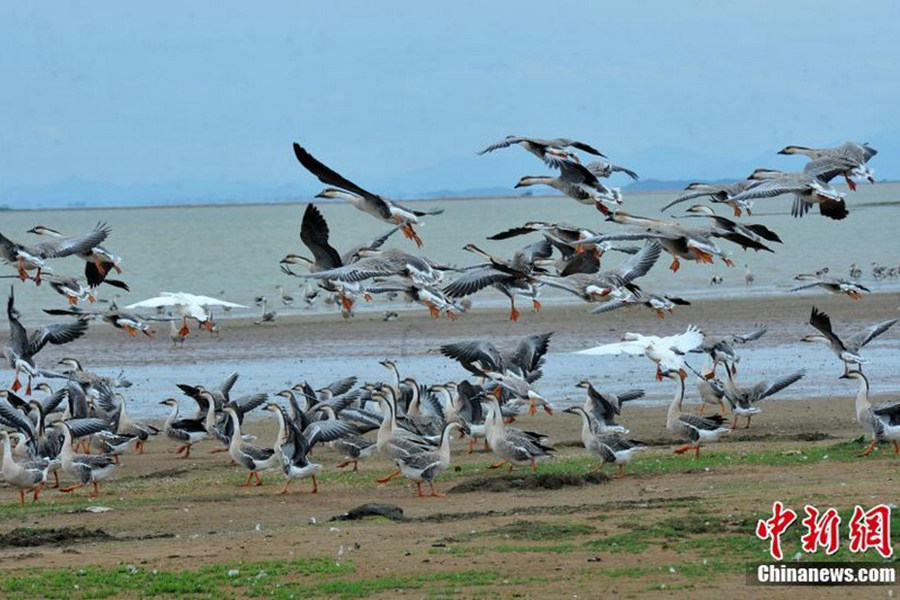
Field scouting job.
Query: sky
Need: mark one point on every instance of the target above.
(402, 94)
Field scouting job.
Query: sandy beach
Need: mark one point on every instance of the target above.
(674, 526)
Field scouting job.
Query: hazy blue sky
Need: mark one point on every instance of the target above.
(170, 91)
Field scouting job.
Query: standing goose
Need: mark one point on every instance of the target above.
(293, 448)
(514, 446)
(378, 207)
(881, 420)
(695, 428)
(392, 441)
(20, 350)
(253, 457)
(28, 476)
(604, 406)
(846, 350)
(426, 466)
(86, 468)
(609, 447)
(186, 431)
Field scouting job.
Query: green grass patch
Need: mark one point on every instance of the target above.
(302, 578)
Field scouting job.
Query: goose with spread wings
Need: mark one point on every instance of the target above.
(855, 154)
(847, 350)
(553, 152)
(21, 348)
(380, 208)
(33, 258)
(667, 352)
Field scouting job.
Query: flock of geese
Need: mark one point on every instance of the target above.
(413, 422)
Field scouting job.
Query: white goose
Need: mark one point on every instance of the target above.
(187, 305)
(666, 352)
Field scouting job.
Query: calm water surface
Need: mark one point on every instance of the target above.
(233, 252)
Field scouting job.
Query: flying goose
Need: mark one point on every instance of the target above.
(857, 154)
(32, 258)
(187, 305)
(378, 207)
(21, 348)
(553, 152)
(846, 350)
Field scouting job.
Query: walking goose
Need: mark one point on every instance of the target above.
(695, 428)
(608, 447)
(881, 420)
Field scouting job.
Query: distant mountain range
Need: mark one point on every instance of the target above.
(494, 174)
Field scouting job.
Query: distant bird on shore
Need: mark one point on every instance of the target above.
(380, 208)
(268, 316)
(749, 276)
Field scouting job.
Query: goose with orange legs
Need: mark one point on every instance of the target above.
(515, 447)
(694, 428)
(22, 347)
(27, 476)
(186, 431)
(881, 421)
(253, 457)
(187, 305)
(373, 204)
(608, 447)
(86, 468)
(424, 467)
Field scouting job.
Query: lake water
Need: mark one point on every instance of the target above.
(233, 252)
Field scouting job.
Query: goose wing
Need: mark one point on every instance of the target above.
(58, 333)
(822, 322)
(314, 234)
(858, 340)
(767, 388)
(330, 177)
